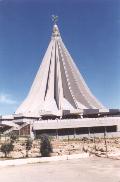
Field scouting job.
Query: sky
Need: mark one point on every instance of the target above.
(90, 30)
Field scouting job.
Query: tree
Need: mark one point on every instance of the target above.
(13, 137)
(6, 148)
(28, 145)
(45, 147)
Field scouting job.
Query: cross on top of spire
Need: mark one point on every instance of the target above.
(55, 32)
(54, 19)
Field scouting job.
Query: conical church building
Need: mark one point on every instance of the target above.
(59, 102)
(58, 85)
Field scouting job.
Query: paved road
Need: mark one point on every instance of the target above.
(82, 170)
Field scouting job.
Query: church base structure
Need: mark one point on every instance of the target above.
(68, 126)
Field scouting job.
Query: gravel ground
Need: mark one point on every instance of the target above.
(81, 170)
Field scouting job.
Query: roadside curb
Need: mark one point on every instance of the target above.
(17, 162)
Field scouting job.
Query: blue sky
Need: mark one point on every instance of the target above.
(90, 30)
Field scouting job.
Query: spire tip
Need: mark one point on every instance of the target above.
(54, 19)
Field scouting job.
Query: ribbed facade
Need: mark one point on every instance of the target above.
(58, 84)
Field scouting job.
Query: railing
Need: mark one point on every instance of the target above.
(9, 130)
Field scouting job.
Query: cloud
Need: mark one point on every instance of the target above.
(6, 99)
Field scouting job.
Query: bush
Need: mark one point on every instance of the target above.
(6, 148)
(28, 145)
(13, 137)
(45, 147)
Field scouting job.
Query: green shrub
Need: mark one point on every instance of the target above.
(13, 137)
(6, 148)
(28, 145)
(45, 147)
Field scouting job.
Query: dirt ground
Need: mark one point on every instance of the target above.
(91, 169)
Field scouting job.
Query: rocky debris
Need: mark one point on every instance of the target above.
(97, 146)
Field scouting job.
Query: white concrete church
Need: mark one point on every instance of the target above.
(59, 102)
